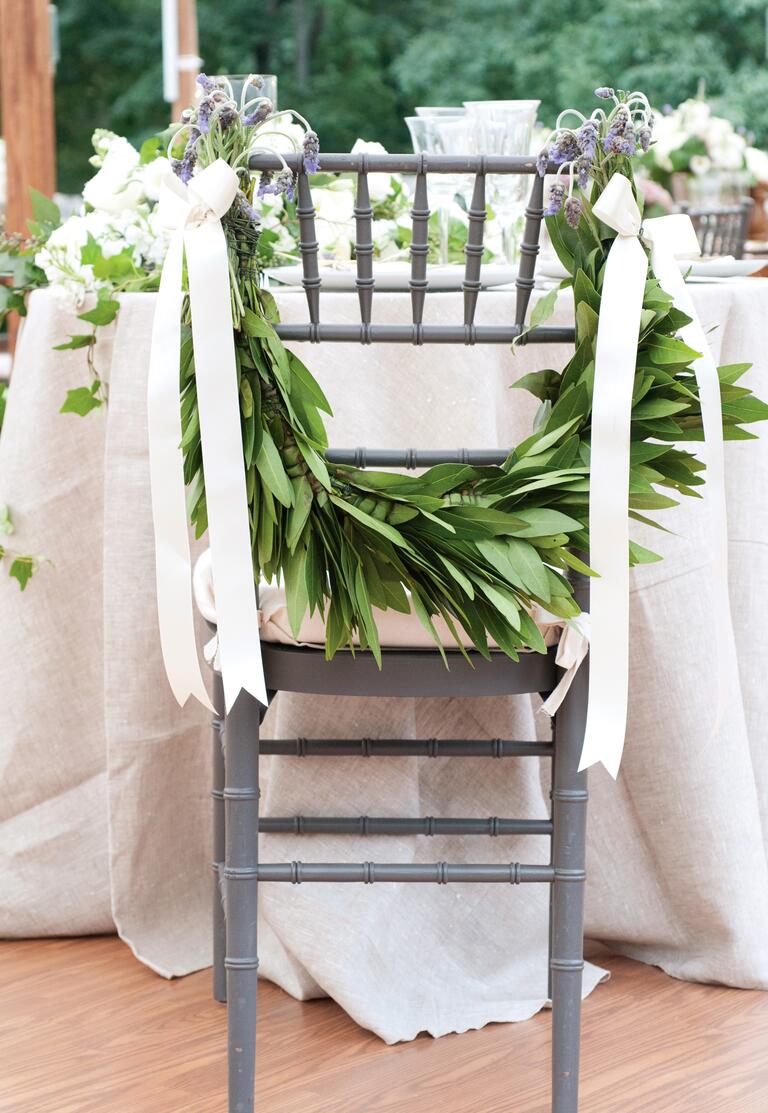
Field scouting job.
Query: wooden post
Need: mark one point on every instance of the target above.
(26, 76)
(188, 56)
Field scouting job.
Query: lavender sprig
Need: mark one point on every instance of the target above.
(311, 147)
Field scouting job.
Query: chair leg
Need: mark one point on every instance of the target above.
(241, 799)
(217, 894)
(569, 799)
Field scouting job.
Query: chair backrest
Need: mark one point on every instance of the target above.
(722, 229)
(417, 333)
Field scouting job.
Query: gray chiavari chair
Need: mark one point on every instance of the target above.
(405, 672)
(721, 230)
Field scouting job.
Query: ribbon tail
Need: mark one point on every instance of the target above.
(615, 359)
(226, 498)
(173, 563)
(667, 271)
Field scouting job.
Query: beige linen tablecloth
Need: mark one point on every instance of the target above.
(104, 814)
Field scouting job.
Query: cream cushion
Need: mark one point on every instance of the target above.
(396, 630)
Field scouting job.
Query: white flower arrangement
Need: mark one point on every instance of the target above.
(692, 139)
(118, 215)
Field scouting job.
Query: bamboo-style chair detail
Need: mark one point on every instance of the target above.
(721, 230)
(405, 672)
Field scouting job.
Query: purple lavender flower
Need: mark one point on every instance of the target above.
(556, 198)
(542, 162)
(572, 211)
(565, 148)
(583, 169)
(644, 138)
(620, 139)
(209, 104)
(586, 137)
(259, 113)
(206, 83)
(311, 152)
(227, 114)
(256, 82)
(266, 184)
(604, 92)
(245, 208)
(285, 182)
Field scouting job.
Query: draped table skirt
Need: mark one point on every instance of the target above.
(105, 813)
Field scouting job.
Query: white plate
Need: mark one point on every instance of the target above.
(725, 267)
(394, 276)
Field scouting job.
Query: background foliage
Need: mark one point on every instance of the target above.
(356, 67)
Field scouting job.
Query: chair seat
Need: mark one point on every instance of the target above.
(396, 630)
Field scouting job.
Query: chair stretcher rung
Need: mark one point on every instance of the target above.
(442, 873)
(424, 334)
(394, 825)
(405, 163)
(414, 457)
(403, 747)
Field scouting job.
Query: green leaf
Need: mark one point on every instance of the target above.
(377, 526)
(541, 384)
(270, 467)
(299, 512)
(103, 313)
(531, 567)
(296, 595)
(543, 522)
(82, 400)
(79, 340)
(6, 524)
(732, 372)
(22, 569)
(314, 461)
(544, 308)
(44, 210)
(309, 384)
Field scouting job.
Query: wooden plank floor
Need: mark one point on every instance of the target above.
(85, 1028)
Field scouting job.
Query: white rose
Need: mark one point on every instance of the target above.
(152, 175)
(114, 187)
(334, 220)
(700, 164)
(757, 163)
(379, 185)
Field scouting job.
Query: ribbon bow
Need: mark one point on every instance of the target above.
(194, 212)
(626, 268)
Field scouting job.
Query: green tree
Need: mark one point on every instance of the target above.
(356, 67)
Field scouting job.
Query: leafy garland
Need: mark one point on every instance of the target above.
(476, 546)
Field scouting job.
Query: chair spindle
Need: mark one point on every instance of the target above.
(419, 246)
(474, 249)
(364, 280)
(529, 249)
(309, 248)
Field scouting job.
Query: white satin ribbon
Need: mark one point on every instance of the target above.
(615, 359)
(618, 331)
(194, 213)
